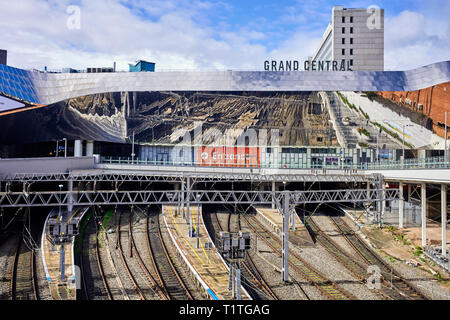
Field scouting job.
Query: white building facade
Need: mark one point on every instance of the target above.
(356, 36)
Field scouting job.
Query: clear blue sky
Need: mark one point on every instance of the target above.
(206, 34)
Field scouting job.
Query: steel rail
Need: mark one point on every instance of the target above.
(167, 274)
(127, 267)
(250, 271)
(23, 276)
(157, 289)
(327, 287)
(401, 285)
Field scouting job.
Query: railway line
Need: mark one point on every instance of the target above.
(23, 274)
(167, 277)
(358, 269)
(401, 286)
(257, 286)
(134, 270)
(90, 249)
(326, 287)
(158, 290)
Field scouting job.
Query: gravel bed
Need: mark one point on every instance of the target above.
(328, 227)
(118, 263)
(112, 278)
(269, 265)
(178, 262)
(135, 269)
(420, 279)
(42, 284)
(323, 262)
(140, 240)
(94, 283)
(7, 250)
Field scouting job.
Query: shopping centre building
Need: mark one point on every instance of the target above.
(155, 108)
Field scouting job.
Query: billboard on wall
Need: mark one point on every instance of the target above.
(228, 156)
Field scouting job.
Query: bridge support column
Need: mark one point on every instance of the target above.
(444, 218)
(177, 188)
(274, 189)
(182, 197)
(423, 197)
(78, 148)
(70, 197)
(380, 193)
(285, 236)
(89, 148)
(189, 216)
(401, 205)
(383, 203)
(368, 203)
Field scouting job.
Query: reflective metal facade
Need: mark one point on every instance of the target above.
(48, 88)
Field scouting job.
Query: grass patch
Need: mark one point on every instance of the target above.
(345, 100)
(364, 114)
(105, 224)
(79, 238)
(363, 144)
(363, 131)
(417, 251)
(402, 239)
(107, 218)
(392, 134)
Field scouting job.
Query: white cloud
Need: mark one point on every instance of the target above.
(178, 34)
(413, 40)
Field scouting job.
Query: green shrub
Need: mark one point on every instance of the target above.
(363, 131)
(417, 251)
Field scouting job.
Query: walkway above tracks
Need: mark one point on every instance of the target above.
(437, 176)
(429, 170)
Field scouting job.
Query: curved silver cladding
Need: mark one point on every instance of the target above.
(51, 88)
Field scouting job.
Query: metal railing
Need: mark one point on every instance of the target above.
(420, 163)
(426, 163)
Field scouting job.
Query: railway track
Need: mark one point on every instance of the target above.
(168, 277)
(157, 288)
(89, 290)
(357, 269)
(249, 271)
(23, 274)
(326, 287)
(402, 286)
(123, 241)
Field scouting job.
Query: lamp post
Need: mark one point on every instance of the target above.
(61, 248)
(198, 221)
(57, 147)
(445, 144)
(65, 147)
(132, 150)
(60, 191)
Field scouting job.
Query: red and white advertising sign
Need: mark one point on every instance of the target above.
(228, 156)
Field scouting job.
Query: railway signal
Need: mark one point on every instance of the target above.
(233, 247)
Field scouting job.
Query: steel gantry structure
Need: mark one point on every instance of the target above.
(103, 187)
(95, 194)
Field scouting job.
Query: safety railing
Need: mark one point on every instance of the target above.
(420, 163)
(426, 163)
